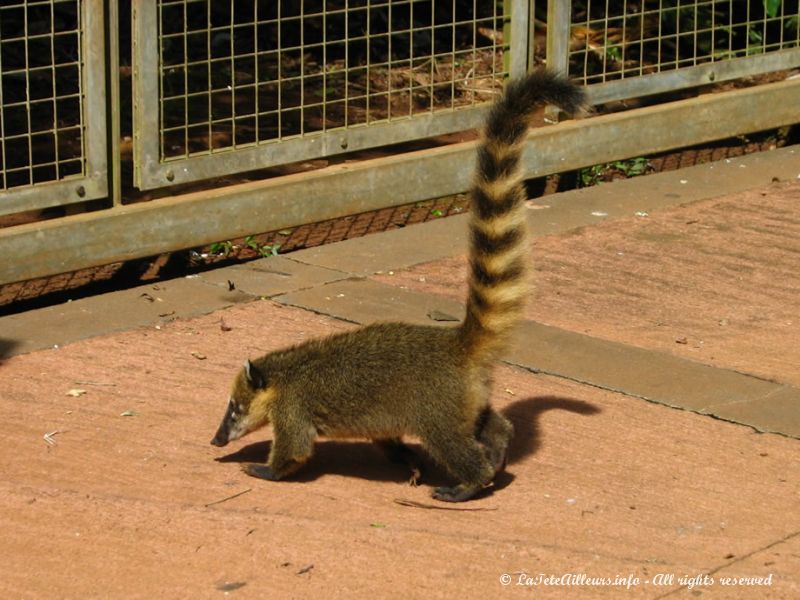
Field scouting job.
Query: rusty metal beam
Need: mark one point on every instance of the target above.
(127, 232)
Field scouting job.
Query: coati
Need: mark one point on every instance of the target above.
(387, 380)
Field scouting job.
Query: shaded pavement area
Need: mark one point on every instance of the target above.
(654, 388)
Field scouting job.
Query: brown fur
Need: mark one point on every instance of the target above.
(387, 380)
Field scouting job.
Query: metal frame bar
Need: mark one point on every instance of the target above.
(152, 171)
(559, 26)
(93, 183)
(145, 90)
(687, 77)
(114, 101)
(127, 232)
(519, 30)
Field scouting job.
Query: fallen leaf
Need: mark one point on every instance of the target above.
(76, 393)
(128, 413)
(530, 204)
(229, 586)
(305, 569)
(199, 356)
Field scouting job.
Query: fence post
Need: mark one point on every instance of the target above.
(559, 25)
(516, 34)
(559, 16)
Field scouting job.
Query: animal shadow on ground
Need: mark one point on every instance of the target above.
(364, 460)
(525, 414)
(359, 459)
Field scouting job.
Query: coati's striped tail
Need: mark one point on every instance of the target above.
(499, 249)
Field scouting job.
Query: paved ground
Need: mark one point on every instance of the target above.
(678, 288)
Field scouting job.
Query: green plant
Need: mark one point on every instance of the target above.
(633, 166)
(262, 249)
(628, 168)
(226, 248)
(221, 248)
(772, 7)
(614, 53)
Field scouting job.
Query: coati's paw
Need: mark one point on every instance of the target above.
(458, 493)
(260, 471)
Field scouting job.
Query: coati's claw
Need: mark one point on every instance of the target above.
(397, 452)
(416, 475)
(259, 471)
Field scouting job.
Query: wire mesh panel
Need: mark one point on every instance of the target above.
(280, 80)
(685, 42)
(51, 69)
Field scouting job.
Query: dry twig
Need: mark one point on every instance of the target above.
(415, 504)
(228, 498)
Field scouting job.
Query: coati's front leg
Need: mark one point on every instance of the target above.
(397, 452)
(292, 446)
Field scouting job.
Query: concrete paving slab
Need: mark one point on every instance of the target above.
(628, 197)
(777, 412)
(156, 303)
(392, 249)
(126, 309)
(365, 301)
(648, 374)
(271, 276)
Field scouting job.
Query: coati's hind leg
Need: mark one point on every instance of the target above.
(494, 431)
(397, 452)
(462, 455)
(292, 446)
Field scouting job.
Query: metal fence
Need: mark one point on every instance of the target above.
(231, 86)
(52, 67)
(625, 50)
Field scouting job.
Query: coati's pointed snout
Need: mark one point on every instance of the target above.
(219, 440)
(222, 437)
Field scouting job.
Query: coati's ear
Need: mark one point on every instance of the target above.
(254, 376)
